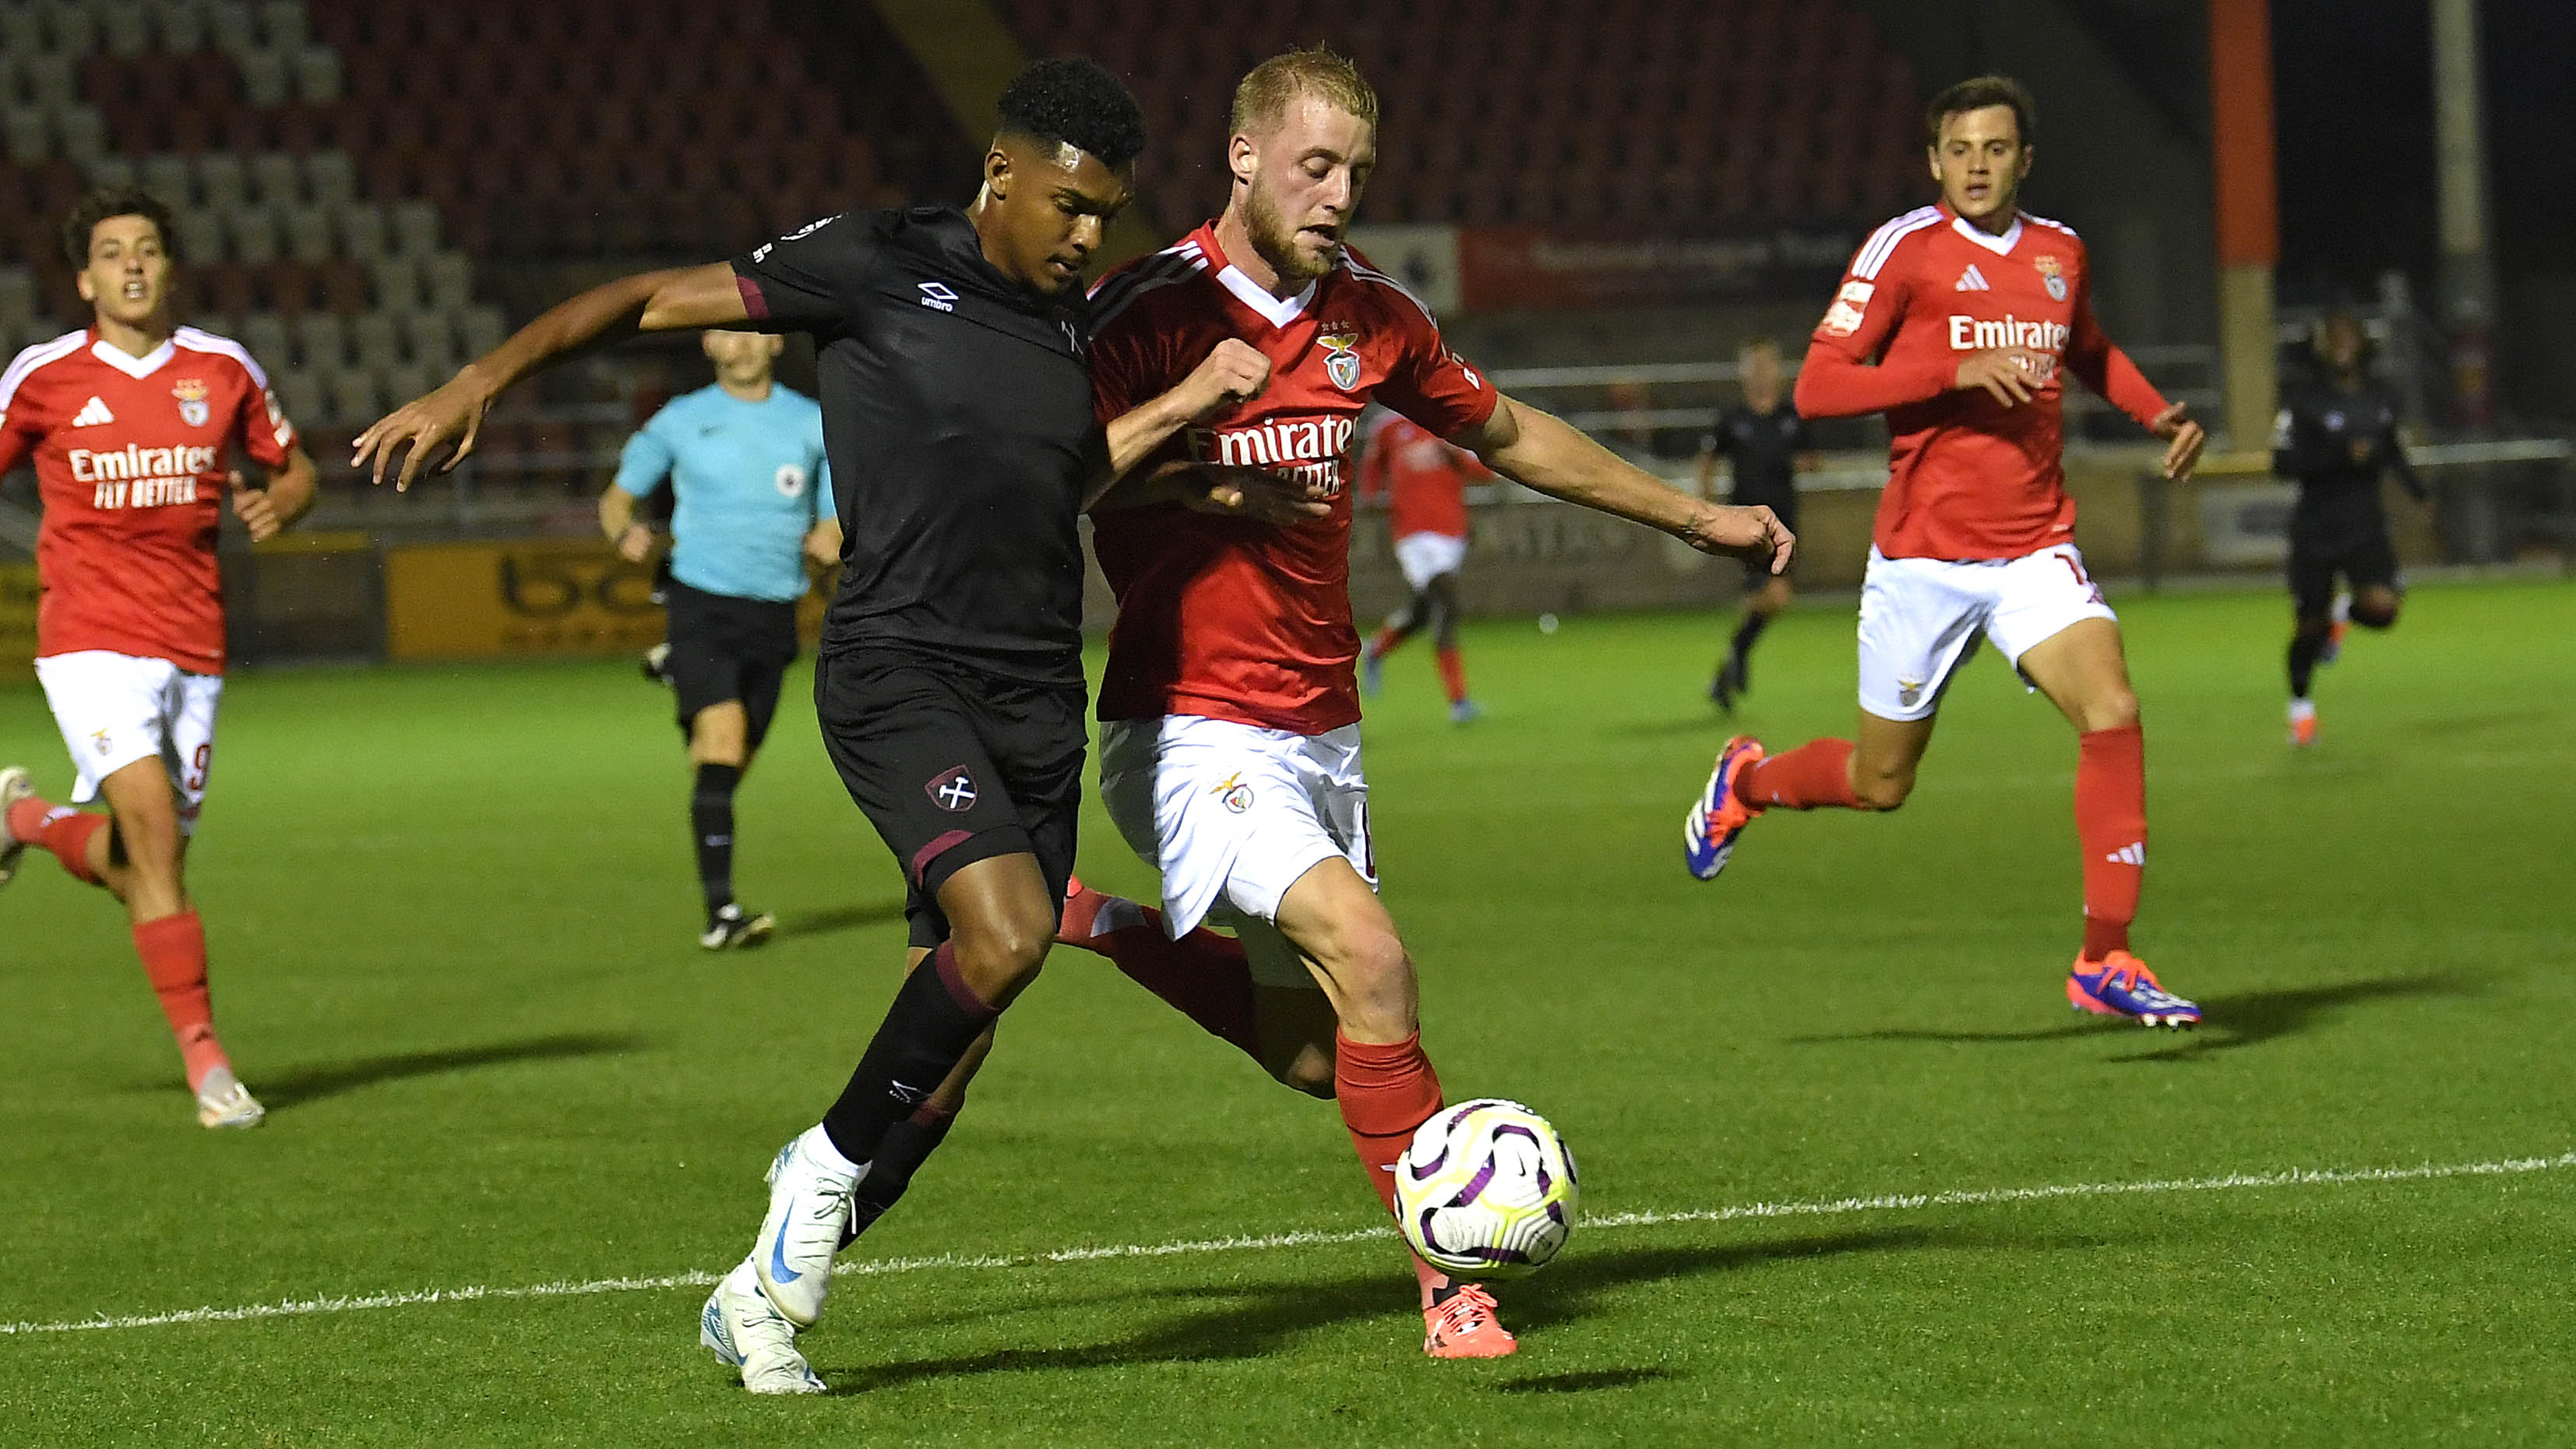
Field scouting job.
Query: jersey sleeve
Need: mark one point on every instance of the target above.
(810, 280)
(1432, 385)
(1837, 380)
(266, 434)
(647, 458)
(18, 434)
(2105, 368)
(1127, 369)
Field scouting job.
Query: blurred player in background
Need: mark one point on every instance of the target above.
(2337, 435)
(138, 427)
(750, 488)
(1424, 482)
(1765, 446)
(1230, 746)
(1956, 321)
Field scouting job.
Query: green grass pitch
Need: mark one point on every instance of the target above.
(453, 924)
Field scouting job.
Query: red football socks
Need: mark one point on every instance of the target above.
(1384, 641)
(1817, 773)
(1203, 975)
(173, 949)
(59, 829)
(1385, 1092)
(1453, 675)
(2111, 826)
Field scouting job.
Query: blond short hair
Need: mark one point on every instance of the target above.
(1262, 97)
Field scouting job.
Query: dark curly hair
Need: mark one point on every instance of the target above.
(109, 201)
(1079, 103)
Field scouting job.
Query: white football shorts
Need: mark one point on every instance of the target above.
(115, 709)
(1426, 556)
(1232, 814)
(1920, 618)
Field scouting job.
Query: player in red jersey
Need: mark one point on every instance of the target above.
(1230, 750)
(135, 426)
(1424, 482)
(1969, 310)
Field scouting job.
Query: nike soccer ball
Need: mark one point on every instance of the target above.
(1486, 1189)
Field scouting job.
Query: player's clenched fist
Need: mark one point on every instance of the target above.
(1752, 533)
(453, 414)
(2184, 439)
(1233, 372)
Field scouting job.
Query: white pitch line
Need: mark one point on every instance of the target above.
(1837, 1207)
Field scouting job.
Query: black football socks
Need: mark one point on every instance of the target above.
(711, 825)
(936, 1016)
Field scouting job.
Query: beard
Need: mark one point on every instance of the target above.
(1277, 241)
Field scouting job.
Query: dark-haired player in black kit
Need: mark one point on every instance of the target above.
(1765, 446)
(957, 416)
(2336, 435)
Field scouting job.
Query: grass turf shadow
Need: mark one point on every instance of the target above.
(1583, 1382)
(2246, 1019)
(298, 1085)
(1258, 1322)
(832, 919)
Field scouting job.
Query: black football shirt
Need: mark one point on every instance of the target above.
(1763, 448)
(957, 416)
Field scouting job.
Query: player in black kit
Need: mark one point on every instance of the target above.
(2336, 435)
(957, 417)
(1765, 446)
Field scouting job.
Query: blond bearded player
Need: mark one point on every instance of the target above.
(1969, 311)
(134, 425)
(1230, 752)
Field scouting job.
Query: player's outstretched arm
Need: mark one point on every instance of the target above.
(675, 299)
(282, 502)
(1538, 450)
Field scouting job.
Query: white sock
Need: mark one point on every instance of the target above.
(817, 1145)
(2302, 710)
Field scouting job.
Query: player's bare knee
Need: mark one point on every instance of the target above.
(2115, 709)
(1881, 791)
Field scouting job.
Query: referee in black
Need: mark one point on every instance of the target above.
(2337, 434)
(957, 416)
(1765, 445)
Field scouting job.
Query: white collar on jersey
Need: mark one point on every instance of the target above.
(2000, 245)
(1280, 310)
(127, 363)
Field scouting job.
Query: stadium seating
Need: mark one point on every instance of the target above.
(1674, 116)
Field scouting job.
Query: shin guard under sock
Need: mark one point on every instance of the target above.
(906, 1145)
(173, 949)
(935, 1017)
(60, 831)
(2111, 826)
(1817, 773)
(711, 826)
(1385, 1092)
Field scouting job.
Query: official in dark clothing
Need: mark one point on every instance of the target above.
(2336, 435)
(957, 419)
(1765, 445)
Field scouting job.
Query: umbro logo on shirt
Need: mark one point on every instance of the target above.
(938, 296)
(1972, 280)
(93, 413)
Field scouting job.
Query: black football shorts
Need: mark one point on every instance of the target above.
(952, 766)
(725, 649)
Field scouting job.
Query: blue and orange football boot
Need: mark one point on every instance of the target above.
(2121, 985)
(1720, 814)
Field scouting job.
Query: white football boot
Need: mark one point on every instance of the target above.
(740, 1326)
(14, 787)
(222, 1101)
(809, 1205)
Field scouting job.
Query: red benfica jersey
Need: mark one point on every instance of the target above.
(1967, 477)
(130, 461)
(1423, 479)
(1221, 617)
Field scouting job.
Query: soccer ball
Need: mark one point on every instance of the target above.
(1486, 1189)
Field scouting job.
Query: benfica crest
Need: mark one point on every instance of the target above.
(1341, 364)
(2051, 275)
(191, 393)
